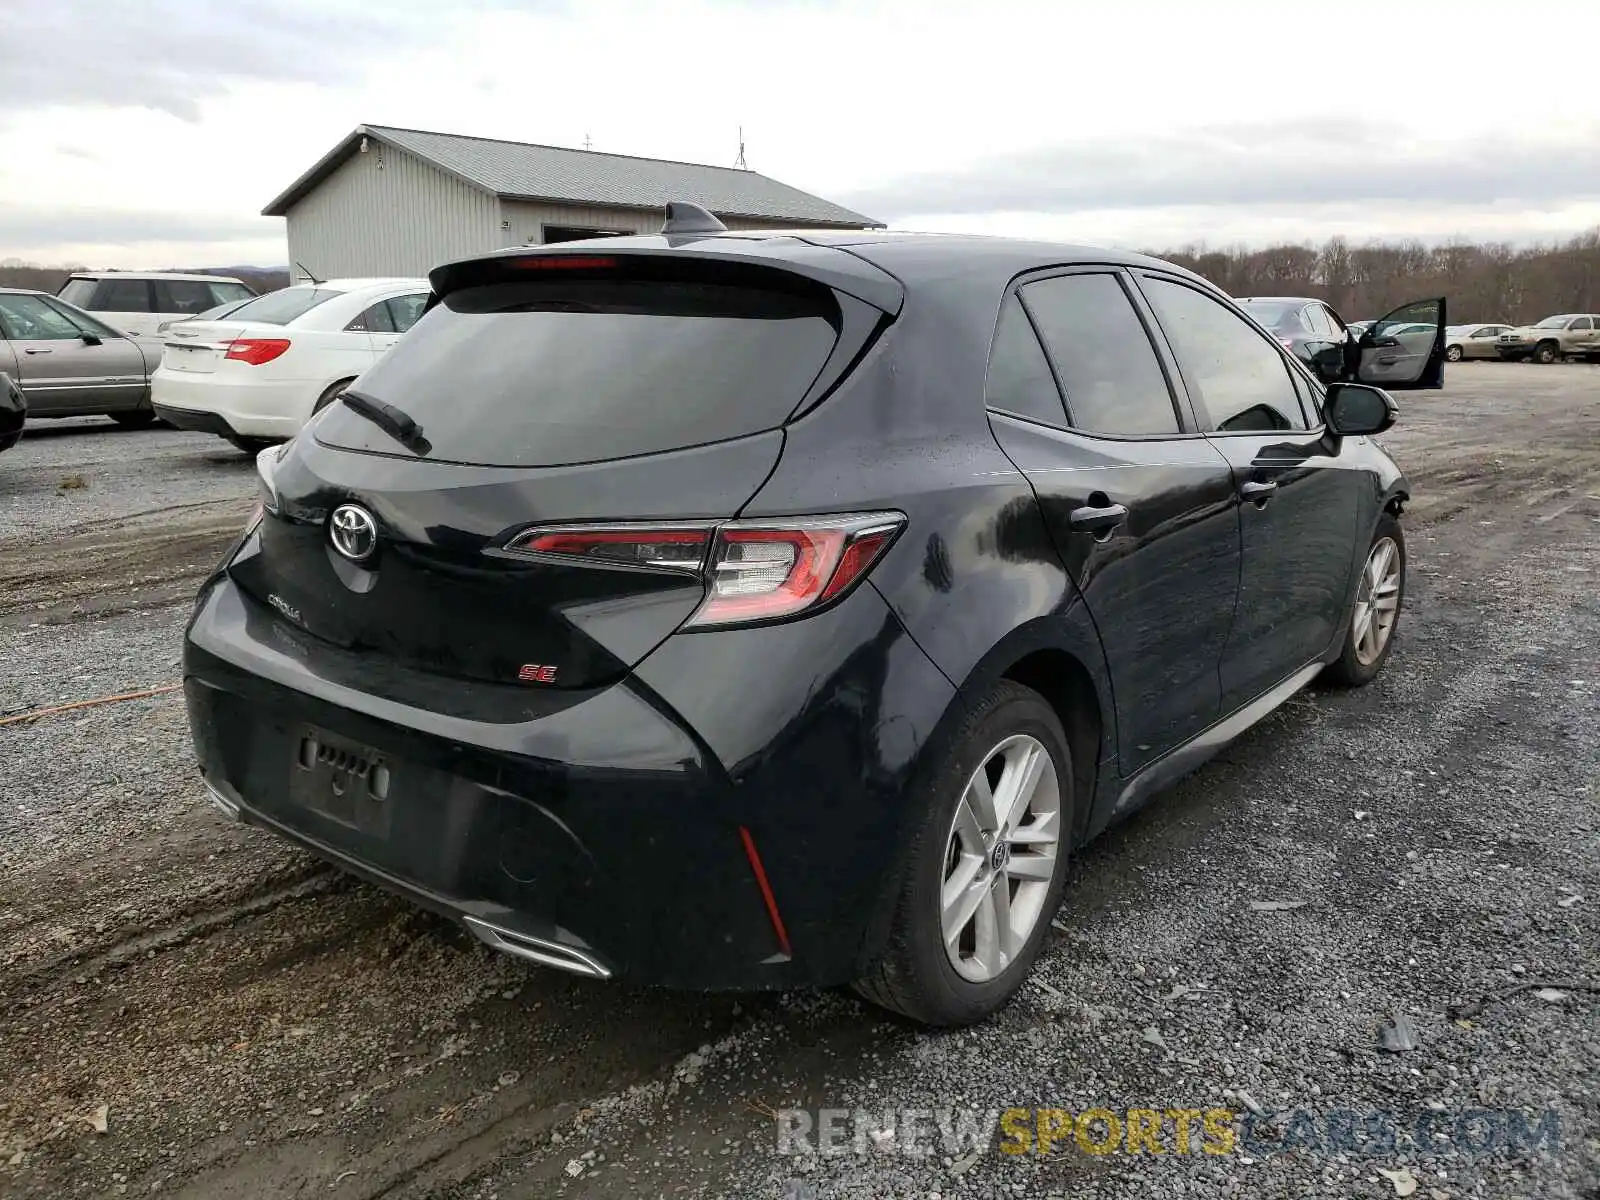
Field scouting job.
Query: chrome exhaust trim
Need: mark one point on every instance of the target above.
(545, 953)
(228, 805)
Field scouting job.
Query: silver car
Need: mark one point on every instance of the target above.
(1473, 341)
(69, 364)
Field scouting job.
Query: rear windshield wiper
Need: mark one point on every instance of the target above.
(393, 421)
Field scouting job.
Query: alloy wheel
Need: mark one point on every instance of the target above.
(1377, 601)
(1000, 858)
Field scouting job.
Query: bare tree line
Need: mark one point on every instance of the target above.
(1483, 282)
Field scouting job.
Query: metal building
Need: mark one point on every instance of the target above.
(388, 201)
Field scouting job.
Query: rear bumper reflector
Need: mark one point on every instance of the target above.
(766, 892)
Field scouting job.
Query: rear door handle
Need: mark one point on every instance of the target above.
(1260, 493)
(1098, 520)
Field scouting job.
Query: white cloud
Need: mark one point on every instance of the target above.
(1044, 119)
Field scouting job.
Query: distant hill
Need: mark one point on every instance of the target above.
(49, 279)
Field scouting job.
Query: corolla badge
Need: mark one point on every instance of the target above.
(353, 532)
(283, 606)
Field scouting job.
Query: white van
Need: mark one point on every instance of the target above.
(140, 303)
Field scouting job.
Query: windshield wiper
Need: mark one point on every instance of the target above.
(393, 421)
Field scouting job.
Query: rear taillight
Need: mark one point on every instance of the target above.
(764, 572)
(658, 547)
(754, 571)
(256, 351)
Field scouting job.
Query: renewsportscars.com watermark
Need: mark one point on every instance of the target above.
(956, 1132)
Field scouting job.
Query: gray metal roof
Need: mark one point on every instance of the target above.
(521, 171)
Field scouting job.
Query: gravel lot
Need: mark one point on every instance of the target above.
(254, 1024)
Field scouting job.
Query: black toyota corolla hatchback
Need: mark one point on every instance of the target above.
(755, 610)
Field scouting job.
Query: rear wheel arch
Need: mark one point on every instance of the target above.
(1069, 689)
(1057, 657)
(1060, 657)
(331, 393)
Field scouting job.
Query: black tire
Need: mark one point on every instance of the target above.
(139, 418)
(332, 394)
(914, 977)
(1452, 354)
(1546, 353)
(1349, 669)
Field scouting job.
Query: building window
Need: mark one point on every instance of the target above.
(574, 233)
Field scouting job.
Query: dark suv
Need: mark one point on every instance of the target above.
(769, 609)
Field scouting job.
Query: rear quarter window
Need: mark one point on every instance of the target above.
(78, 291)
(550, 372)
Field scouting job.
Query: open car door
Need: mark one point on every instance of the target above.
(1405, 348)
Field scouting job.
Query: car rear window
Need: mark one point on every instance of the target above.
(284, 305)
(548, 372)
(1273, 316)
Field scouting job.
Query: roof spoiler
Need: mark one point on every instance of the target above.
(683, 217)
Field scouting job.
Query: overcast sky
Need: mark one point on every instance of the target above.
(142, 133)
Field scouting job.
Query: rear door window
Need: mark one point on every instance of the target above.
(123, 295)
(547, 372)
(1108, 369)
(284, 305)
(187, 296)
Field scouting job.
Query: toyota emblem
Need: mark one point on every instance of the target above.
(353, 532)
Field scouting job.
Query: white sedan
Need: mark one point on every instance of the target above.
(256, 375)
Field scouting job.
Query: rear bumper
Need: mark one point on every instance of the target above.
(193, 420)
(250, 408)
(601, 832)
(501, 929)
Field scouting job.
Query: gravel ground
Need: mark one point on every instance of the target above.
(95, 519)
(110, 473)
(255, 1024)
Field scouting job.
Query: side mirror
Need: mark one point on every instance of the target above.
(1358, 409)
(90, 339)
